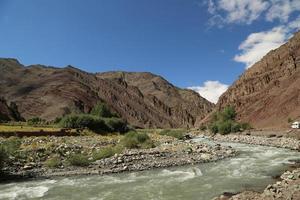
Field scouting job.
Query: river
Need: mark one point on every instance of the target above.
(252, 169)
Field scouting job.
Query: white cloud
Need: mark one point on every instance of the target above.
(211, 90)
(282, 9)
(236, 11)
(247, 11)
(259, 44)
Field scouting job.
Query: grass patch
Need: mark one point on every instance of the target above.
(25, 128)
(53, 162)
(136, 140)
(107, 152)
(178, 133)
(12, 145)
(3, 156)
(79, 160)
(116, 125)
(9, 147)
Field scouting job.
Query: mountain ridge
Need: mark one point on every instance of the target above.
(143, 99)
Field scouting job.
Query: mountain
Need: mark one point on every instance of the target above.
(267, 95)
(143, 99)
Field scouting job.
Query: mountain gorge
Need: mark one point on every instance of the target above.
(143, 99)
(267, 95)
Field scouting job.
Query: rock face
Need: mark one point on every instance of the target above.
(9, 113)
(143, 99)
(268, 93)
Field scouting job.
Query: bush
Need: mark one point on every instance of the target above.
(224, 127)
(236, 127)
(11, 145)
(245, 126)
(35, 121)
(57, 120)
(116, 125)
(134, 139)
(179, 134)
(107, 152)
(84, 121)
(80, 160)
(228, 113)
(203, 127)
(102, 110)
(53, 162)
(3, 156)
(224, 122)
(214, 128)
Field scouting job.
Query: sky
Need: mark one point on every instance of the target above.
(203, 45)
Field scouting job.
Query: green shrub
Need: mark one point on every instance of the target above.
(236, 127)
(213, 128)
(84, 121)
(224, 122)
(179, 134)
(228, 113)
(53, 162)
(224, 127)
(12, 145)
(290, 120)
(80, 160)
(134, 139)
(57, 120)
(116, 125)
(102, 110)
(3, 156)
(202, 127)
(9, 147)
(35, 121)
(245, 126)
(107, 152)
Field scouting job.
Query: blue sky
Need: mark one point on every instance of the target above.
(205, 45)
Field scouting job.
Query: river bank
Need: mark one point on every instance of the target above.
(253, 168)
(287, 188)
(168, 152)
(280, 142)
(288, 185)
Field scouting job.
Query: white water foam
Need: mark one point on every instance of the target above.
(181, 176)
(23, 192)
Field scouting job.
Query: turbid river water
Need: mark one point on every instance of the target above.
(252, 169)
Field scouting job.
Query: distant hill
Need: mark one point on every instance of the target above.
(143, 99)
(268, 93)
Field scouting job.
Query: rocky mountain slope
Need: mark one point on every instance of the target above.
(268, 93)
(9, 112)
(143, 99)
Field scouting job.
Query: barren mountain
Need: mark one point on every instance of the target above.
(268, 93)
(143, 99)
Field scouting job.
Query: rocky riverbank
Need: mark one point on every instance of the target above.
(287, 188)
(289, 185)
(280, 142)
(169, 152)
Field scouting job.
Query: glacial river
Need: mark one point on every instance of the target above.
(252, 169)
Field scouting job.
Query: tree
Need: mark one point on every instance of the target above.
(102, 110)
(228, 113)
